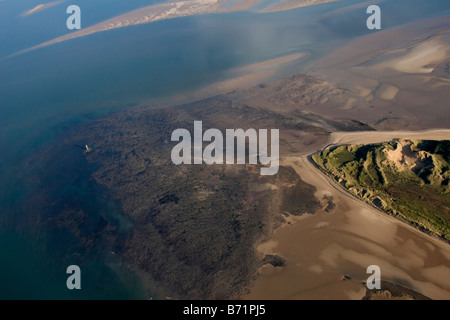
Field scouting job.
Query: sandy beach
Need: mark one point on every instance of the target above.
(40, 7)
(322, 247)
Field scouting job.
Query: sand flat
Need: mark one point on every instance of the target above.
(366, 137)
(40, 7)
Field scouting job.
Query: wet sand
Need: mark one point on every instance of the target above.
(322, 248)
(398, 77)
(245, 77)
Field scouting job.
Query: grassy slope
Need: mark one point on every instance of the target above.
(420, 195)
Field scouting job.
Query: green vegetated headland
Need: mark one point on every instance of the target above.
(405, 178)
